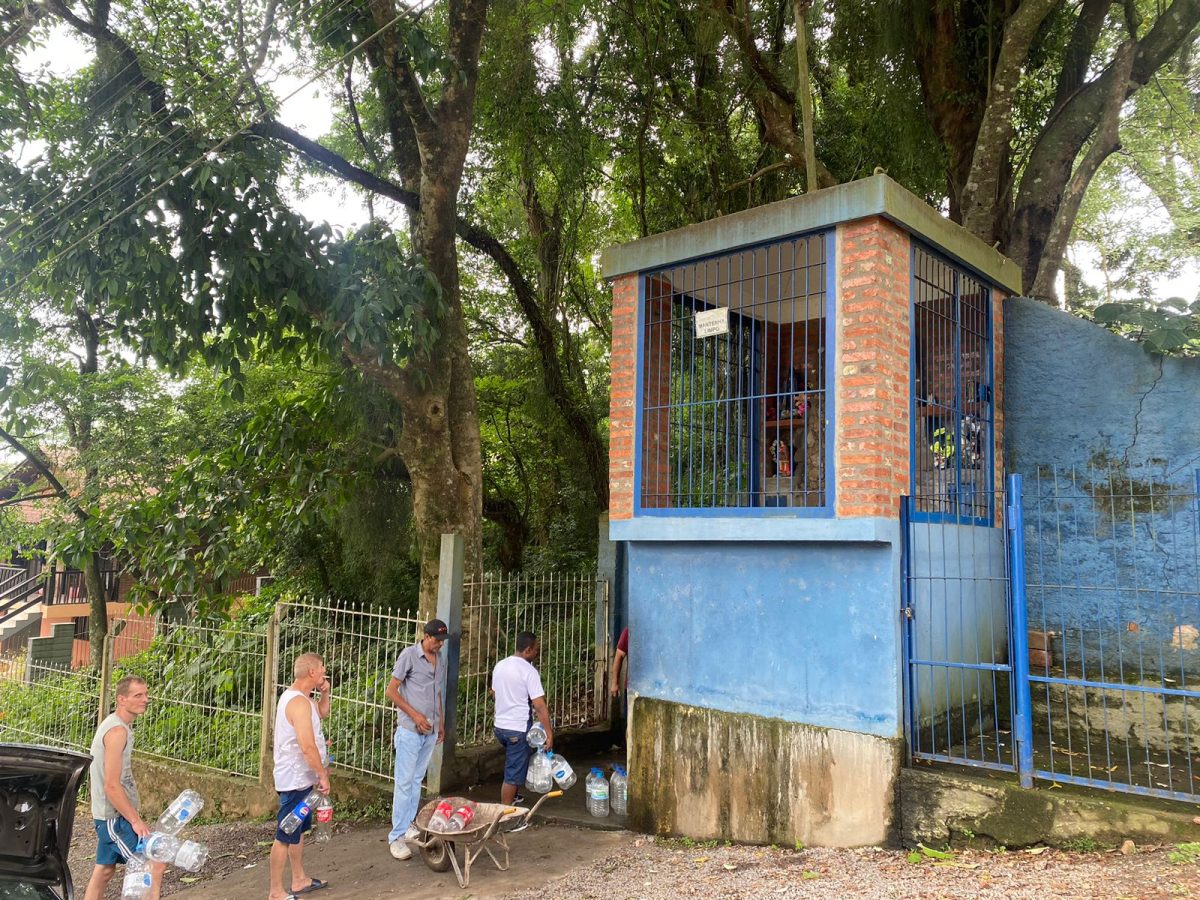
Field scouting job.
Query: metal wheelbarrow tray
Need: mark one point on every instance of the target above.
(439, 848)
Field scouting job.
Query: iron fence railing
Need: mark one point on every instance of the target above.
(214, 684)
(359, 646)
(957, 641)
(45, 704)
(568, 614)
(206, 685)
(1113, 585)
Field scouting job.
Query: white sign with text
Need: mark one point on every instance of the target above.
(711, 322)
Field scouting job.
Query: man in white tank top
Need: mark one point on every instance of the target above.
(301, 761)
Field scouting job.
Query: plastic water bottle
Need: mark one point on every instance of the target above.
(541, 776)
(300, 813)
(191, 856)
(619, 790)
(440, 820)
(136, 885)
(536, 737)
(564, 775)
(597, 794)
(167, 848)
(323, 820)
(462, 816)
(182, 810)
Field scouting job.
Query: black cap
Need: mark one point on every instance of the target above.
(437, 628)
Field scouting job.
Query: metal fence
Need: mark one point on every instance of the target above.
(206, 689)
(44, 704)
(957, 641)
(568, 613)
(1113, 587)
(214, 685)
(359, 646)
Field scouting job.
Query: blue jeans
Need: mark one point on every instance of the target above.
(412, 759)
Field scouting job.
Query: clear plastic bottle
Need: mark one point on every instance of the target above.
(440, 820)
(462, 816)
(182, 810)
(541, 772)
(136, 884)
(191, 856)
(322, 819)
(170, 849)
(619, 791)
(564, 775)
(536, 736)
(597, 794)
(300, 813)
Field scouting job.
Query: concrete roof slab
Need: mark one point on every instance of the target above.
(877, 195)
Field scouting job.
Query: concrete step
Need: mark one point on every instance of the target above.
(12, 624)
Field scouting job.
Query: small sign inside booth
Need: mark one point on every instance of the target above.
(711, 322)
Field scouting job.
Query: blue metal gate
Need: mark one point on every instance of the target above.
(1062, 641)
(959, 643)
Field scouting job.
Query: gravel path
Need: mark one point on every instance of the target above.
(668, 869)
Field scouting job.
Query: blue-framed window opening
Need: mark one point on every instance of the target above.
(737, 421)
(953, 411)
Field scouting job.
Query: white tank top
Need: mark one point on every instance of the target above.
(292, 771)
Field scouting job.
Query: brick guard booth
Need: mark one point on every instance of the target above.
(780, 378)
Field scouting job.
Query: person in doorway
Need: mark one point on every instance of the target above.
(119, 827)
(616, 684)
(517, 685)
(417, 689)
(301, 764)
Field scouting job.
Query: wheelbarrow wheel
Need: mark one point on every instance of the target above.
(437, 855)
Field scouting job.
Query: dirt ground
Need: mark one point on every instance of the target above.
(566, 862)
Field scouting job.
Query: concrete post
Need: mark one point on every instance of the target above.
(266, 761)
(106, 667)
(449, 610)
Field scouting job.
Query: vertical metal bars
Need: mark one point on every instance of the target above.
(956, 641)
(736, 420)
(1113, 559)
(561, 610)
(952, 398)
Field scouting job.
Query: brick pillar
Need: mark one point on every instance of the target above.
(621, 403)
(998, 298)
(874, 338)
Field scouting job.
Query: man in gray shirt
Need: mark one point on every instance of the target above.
(417, 688)
(114, 793)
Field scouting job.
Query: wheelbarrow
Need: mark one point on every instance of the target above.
(439, 849)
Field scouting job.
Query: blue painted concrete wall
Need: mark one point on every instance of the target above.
(1107, 437)
(1074, 394)
(806, 632)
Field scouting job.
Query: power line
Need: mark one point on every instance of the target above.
(112, 181)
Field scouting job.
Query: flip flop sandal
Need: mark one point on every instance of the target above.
(316, 885)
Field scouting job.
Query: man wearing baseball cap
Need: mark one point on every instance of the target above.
(417, 688)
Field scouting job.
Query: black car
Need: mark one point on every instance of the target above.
(38, 787)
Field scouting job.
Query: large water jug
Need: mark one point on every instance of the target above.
(536, 736)
(619, 791)
(136, 884)
(543, 779)
(564, 775)
(597, 794)
(182, 810)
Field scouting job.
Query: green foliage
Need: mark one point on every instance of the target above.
(1172, 326)
(1185, 854)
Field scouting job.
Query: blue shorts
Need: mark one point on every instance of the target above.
(516, 755)
(116, 841)
(287, 802)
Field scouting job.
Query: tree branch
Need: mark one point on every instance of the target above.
(1106, 141)
(995, 129)
(36, 461)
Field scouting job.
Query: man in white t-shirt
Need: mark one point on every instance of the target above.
(516, 684)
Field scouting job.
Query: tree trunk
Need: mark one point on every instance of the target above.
(93, 585)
